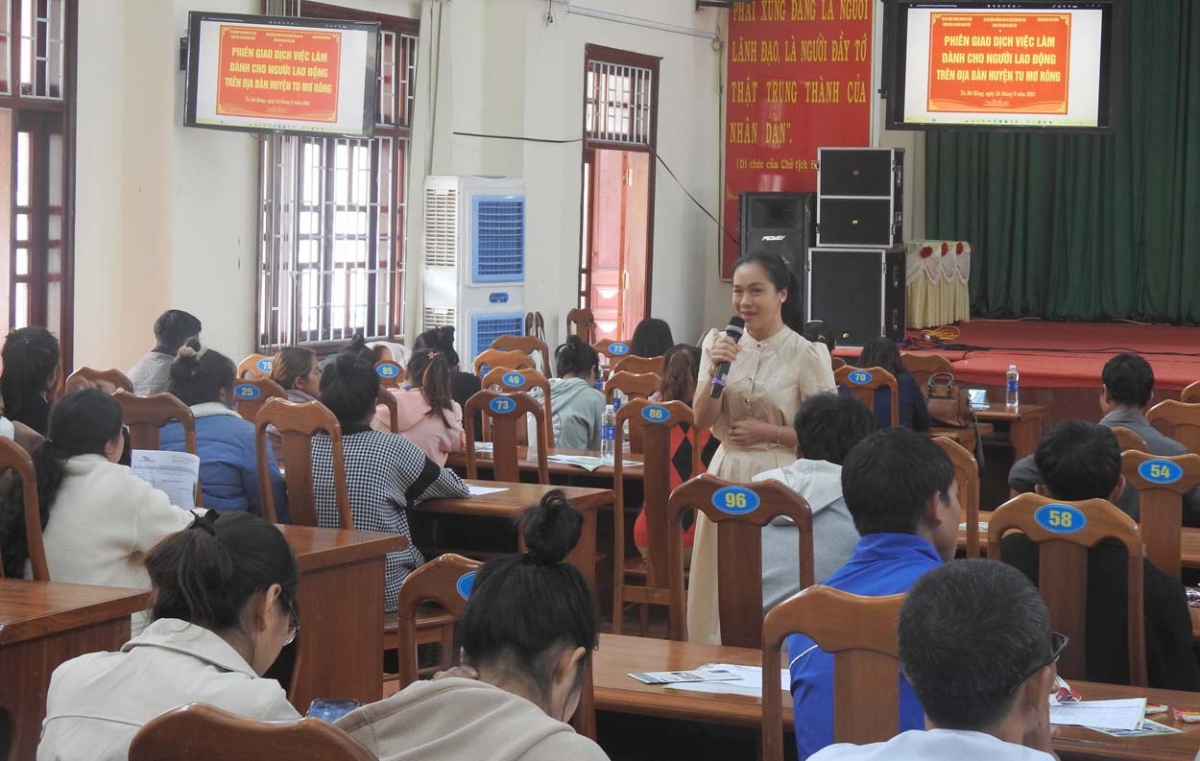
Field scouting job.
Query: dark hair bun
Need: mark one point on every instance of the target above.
(551, 529)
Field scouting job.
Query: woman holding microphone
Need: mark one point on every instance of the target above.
(772, 369)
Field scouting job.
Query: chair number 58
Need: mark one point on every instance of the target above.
(1061, 519)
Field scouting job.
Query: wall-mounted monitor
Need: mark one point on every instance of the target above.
(1032, 66)
(277, 74)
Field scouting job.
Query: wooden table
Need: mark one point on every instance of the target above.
(43, 624)
(339, 651)
(1025, 425)
(616, 692)
(483, 461)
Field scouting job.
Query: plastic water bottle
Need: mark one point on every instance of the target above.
(1012, 388)
(608, 433)
(557, 426)
(622, 435)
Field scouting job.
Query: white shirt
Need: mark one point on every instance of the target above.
(97, 702)
(934, 745)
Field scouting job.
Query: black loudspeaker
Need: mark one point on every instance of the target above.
(860, 197)
(858, 292)
(778, 222)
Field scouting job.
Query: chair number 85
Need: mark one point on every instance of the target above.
(735, 500)
(1060, 519)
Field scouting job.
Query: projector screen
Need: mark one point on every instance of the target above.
(1010, 65)
(277, 74)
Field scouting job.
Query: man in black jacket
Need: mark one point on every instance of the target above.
(1079, 461)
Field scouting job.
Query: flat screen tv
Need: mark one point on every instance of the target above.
(281, 74)
(1037, 65)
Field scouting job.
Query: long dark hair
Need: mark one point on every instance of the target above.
(441, 340)
(200, 376)
(651, 338)
(30, 357)
(881, 351)
(782, 278)
(82, 422)
(575, 358)
(681, 371)
(349, 385)
(429, 371)
(206, 574)
(525, 609)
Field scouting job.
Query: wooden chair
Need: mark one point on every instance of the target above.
(512, 381)
(252, 393)
(503, 411)
(1062, 568)
(739, 549)
(639, 365)
(515, 360)
(924, 366)
(837, 363)
(391, 374)
(1127, 439)
(528, 345)
(581, 322)
(109, 380)
(860, 632)
(297, 424)
(1161, 483)
(611, 350)
(862, 383)
(535, 325)
(966, 473)
(1191, 394)
(146, 415)
(256, 366)
(654, 422)
(200, 732)
(634, 387)
(13, 457)
(1184, 420)
(446, 581)
(388, 399)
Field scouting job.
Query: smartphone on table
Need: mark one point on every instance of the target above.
(331, 710)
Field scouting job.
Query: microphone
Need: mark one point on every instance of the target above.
(734, 331)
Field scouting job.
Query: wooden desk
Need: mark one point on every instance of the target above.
(562, 470)
(1025, 425)
(618, 693)
(339, 650)
(964, 437)
(43, 624)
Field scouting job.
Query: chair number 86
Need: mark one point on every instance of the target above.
(1061, 519)
(656, 414)
(736, 500)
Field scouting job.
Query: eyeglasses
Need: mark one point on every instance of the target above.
(293, 622)
(1058, 643)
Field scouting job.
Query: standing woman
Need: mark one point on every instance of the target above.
(772, 370)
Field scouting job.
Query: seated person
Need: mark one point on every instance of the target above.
(651, 338)
(881, 351)
(225, 442)
(573, 396)
(428, 414)
(1079, 461)
(98, 519)
(529, 631)
(30, 361)
(827, 428)
(899, 487)
(975, 642)
(224, 606)
(1126, 389)
(172, 330)
(386, 473)
(298, 372)
(462, 385)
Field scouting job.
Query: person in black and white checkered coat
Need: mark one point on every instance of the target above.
(385, 472)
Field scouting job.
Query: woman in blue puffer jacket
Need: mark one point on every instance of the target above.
(204, 380)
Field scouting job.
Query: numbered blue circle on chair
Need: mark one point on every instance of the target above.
(618, 349)
(735, 500)
(265, 365)
(1060, 519)
(388, 370)
(247, 391)
(656, 413)
(502, 405)
(860, 377)
(514, 380)
(1160, 472)
(465, 584)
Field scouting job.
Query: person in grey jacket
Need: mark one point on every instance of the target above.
(172, 330)
(827, 428)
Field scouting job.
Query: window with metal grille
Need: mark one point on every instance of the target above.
(332, 223)
(618, 103)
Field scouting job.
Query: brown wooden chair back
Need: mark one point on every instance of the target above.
(639, 365)
(390, 373)
(1190, 394)
(654, 422)
(511, 381)
(446, 580)
(1064, 532)
(611, 350)
(388, 399)
(862, 383)
(836, 363)
(13, 457)
(296, 425)
(200, 732)
(526, 344)
(256, 366)
(966, 473)
(923, 366)
(146, 415)
(581, 322)
(1161, 483)
(503, 412)
(739, 511)
(1127, 439)
(1184, 420)
(515, 360)
(252, 393)
(108, 380)
(535, 325)
(860, 632)
(639, 386)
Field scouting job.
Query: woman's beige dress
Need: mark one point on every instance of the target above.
(768, 382)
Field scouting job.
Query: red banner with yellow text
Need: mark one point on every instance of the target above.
(799, 80)
(279, 73)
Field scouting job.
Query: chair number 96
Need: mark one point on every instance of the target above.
(735, 500)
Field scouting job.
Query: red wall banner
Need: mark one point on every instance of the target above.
(278, 73)
(799, 80)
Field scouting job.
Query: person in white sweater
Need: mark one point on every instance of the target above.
(224, 607)
(528, 631)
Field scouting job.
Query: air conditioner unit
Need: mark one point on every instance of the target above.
(474, 259)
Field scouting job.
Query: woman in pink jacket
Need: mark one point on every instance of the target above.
(429, 416)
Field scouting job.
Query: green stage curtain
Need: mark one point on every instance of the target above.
(1083, 227)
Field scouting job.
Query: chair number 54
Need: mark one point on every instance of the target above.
(1160, 471)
